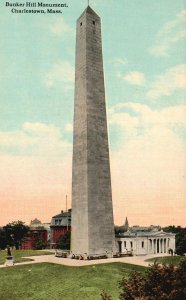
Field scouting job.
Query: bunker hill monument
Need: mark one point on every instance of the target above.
(92, 211)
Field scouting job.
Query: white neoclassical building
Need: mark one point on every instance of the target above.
(146, 240)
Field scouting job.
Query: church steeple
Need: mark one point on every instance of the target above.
(126, 225)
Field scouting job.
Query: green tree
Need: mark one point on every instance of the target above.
(181, 246)
(159, 282)
(119, 229)
(3, 241)
(15, 233)
(180, 238)
(40, 244)
(64, 242)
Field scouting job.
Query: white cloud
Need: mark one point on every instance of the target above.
(68, 127)
(131, 116)
(60, 27)
(121, 61)
(148, 174)
(148, 167)
(165, 84)
(123, 119)
(41, 128)
(61, 72)
(171, 33)
(16, 139)
(36, 139)
(135, 78)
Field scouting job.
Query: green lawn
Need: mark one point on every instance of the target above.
(20, 254)
(51, 281)
(167, 259)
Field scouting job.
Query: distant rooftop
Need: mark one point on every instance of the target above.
(144, 231)
(62, 219)
(63, 214)
(35, 222)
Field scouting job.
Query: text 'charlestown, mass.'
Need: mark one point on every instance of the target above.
(16, 7)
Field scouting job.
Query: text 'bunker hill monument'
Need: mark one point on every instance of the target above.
(92, 211)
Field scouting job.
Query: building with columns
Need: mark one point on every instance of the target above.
(146, 240)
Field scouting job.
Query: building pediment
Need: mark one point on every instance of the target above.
(161, 234)
(156, 234)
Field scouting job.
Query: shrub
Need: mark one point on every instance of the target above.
(159, 282)
(64, 242)
(40, 244)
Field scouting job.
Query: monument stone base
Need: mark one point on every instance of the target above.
(9, 261)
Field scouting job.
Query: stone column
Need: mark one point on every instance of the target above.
(155, 246)
(165, 250)
(158, 246)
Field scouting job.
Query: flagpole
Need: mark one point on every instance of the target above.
(67, 212)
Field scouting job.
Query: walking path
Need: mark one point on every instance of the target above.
(136, 260)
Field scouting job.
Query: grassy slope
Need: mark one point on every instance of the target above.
(167, 260)
(50, 281)
(19, 255)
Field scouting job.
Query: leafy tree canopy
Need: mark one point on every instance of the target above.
(64, 242)
(40, 244)
(15, 233)
(3, 242)
(159, 282)
(180, 238)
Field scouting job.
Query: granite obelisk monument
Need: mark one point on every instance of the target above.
(92, 211)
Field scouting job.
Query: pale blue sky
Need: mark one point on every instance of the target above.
(143, 48)
(29, 49)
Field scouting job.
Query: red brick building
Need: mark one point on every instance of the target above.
(50, 234)
(60, 225)
(37, 232)
(34, 235)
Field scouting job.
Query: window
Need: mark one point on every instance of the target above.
(93, 22)
(131, 244)
(142, 244)
(81, 24)
(125, 244)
